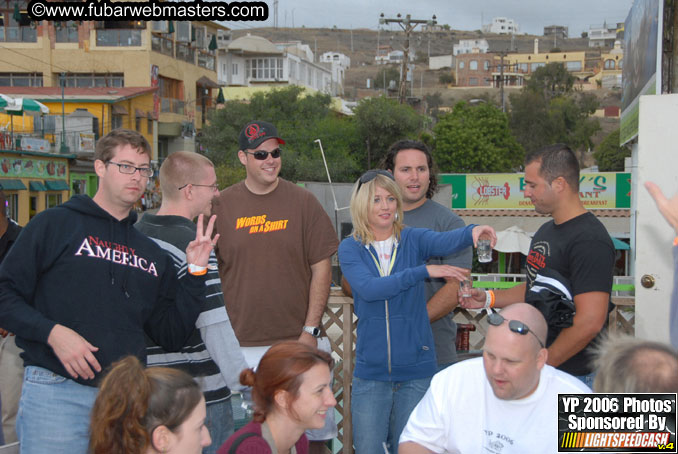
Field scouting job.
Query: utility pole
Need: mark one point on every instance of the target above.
(408, 25)
(63, 149)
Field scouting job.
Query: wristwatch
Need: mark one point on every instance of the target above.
(312, 330)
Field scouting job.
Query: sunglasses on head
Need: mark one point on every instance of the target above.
(371, 175)
(260, 155)
(515, 326)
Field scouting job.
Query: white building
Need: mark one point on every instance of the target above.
(602, 36)
(338, 63)
(253, 60)
(501, 26)
(471, 46)
(394, 56)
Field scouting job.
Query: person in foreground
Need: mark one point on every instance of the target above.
(626, 364)
(291, 392)
(148, 411)
(385, 265)
(504, 402)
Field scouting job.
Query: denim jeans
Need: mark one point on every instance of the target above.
(380, 410)
(220, 424)
(54, 413)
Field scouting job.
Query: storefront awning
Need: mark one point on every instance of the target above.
(36, 186)
(56, 185)
(12, 185)
(118, 110)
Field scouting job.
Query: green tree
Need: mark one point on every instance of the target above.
(476, 139)
(551, 80)
(301, 118)
(379, 122)
(609, 155)
(385, 75)
(446, 77)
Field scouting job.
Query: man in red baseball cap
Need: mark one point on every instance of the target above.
(274, 254)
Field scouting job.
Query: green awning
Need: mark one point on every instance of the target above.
(36, 186)
(12, 185)
(56, 185)
(620, 245)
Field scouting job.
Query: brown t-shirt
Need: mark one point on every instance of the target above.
(266, 248)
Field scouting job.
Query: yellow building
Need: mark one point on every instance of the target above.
(178, 58)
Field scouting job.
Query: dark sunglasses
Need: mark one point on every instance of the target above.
(516, 326)
(371, 175)
(260, 155)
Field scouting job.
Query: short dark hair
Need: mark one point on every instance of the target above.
(120, 137)
(557, 160)
(388, 162)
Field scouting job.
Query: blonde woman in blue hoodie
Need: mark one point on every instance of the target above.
(385, 264)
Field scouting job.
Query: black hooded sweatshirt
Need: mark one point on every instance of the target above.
(78, 266)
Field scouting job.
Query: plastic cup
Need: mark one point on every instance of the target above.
(466, 288)
(484, 251)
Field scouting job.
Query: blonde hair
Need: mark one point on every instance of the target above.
(362, 200)
(180, 168)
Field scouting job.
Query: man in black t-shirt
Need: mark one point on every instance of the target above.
(575, 245)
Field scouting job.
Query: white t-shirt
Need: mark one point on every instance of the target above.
(461, 414)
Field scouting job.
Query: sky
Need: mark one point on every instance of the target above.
(531, 15)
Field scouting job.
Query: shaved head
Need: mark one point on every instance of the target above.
(513, 361)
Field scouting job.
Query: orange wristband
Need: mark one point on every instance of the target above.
(196, 270)
(675, 241)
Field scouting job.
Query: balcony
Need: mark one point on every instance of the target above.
(163, 45)
(185, 53)
(206, 60)
(118, 37)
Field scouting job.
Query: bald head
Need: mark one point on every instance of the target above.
(181, 168)
(530, 316)
(512, 360)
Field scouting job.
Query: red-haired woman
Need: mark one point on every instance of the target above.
(148, 411)
(291, 392)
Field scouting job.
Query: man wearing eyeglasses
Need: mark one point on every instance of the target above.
(504, 402)
(274, 253)
(82, 287)
(211, 354)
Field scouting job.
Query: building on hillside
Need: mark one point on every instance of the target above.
(441, 61)
(501, 26)
(468, 46)
(177, 58)
(389, 56)
(612, 63)
(339, 63)
(559, 31)
(604, 36)
(474, 70)
(251, 61)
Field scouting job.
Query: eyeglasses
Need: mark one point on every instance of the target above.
(260, 155)
(515, 326)
(371, 175)
(129, 169)
(215, 186)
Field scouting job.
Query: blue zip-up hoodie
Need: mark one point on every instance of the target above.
(78, 266)
(395, 342)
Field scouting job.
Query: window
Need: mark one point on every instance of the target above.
(473, 65)
(461, 65)
(12, 205)
(119, 33)
(116, 121)
(265, 68)
(66, 31)
(11, 30)
(573, 65)
(87, 80)
(522, 67)
(21, 79)
(619, 64)
(52, 200)
(149, 126)
(137, 124)
(609, 64)
(234, 68)
(486, 65)
(535, 66)
(473, 81)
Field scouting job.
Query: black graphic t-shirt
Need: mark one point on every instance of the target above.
(581, 250)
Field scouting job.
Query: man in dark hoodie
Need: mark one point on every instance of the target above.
(80, 288)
